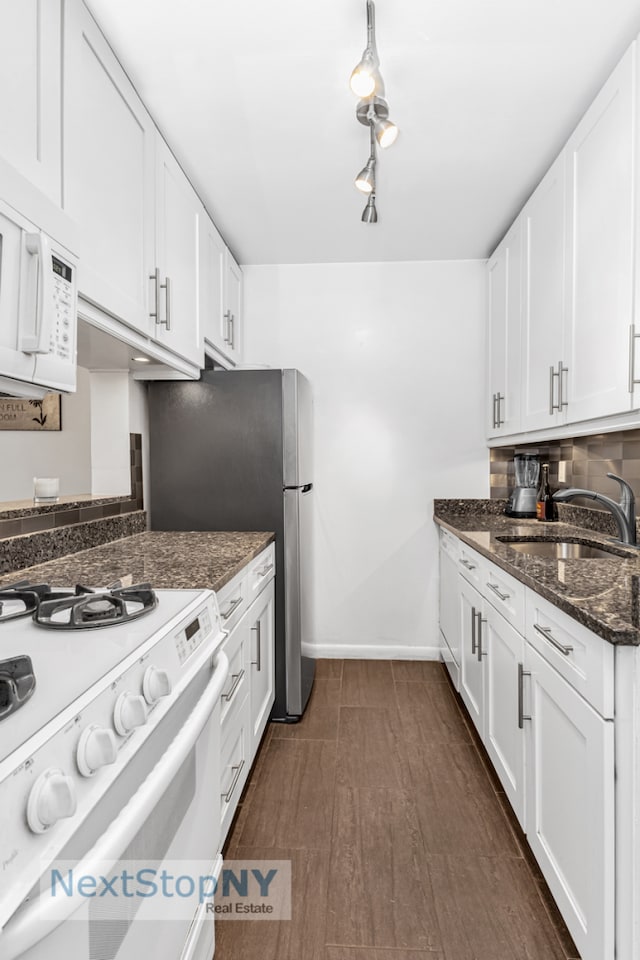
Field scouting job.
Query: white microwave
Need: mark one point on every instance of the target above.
(38, 309)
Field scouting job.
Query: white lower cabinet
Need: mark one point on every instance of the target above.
(503, 724)
(539, 688)
(248, 613)
(471, 667)
(570, 823)
(449, 618)
(262, 614)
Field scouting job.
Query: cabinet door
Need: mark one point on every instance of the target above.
(109, 143)
(175, 299)
(232, 314)
(543, 300)
(449, 603)
(261, 646)
(30, 107)
(503, 735)
(504, 307)
(570, 805)
(212, 267)
(471, 668)
(601, 190)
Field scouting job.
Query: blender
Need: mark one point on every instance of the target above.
(522, 500)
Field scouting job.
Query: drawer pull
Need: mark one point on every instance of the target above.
(238, 770)
(232, 606)
(522, 673)
(236, 677)
(546, 633)
(257, 663)
(465, 563)
(502, 596)
(265, 570)
(481, 653)
(473, 631)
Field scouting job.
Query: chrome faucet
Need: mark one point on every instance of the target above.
(624, 511)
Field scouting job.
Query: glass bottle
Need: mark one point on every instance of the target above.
(546, 507)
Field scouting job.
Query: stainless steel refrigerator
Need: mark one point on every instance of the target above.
(233, 452)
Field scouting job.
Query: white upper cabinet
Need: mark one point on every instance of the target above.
(174, 277)
(504, 344)
(212, 260)
(232, 313)
(31, 101)
(600, 262)
(543, 301)
(109, 149)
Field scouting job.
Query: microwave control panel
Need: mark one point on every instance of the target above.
(62, 338)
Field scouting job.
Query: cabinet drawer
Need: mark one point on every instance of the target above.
(237, 685)
(506, 595)
(235, 762)
(450, 544)
(582, 658)
(261, 571)
(233, 600)
(472, 567)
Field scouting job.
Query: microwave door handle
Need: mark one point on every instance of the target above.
(42, 915)
(38, 245)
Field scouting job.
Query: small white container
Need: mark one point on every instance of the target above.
(46, 489)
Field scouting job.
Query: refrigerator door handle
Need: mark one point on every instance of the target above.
(304, 488)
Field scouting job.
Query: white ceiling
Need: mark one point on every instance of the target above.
(253, 97)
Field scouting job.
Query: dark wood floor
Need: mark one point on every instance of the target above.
(402, 844)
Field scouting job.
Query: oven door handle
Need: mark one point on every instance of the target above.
(38, 919)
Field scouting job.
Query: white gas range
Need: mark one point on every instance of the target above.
(109, 746)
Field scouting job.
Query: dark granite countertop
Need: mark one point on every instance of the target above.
(601, 594)
(13, 509)
(166, 560)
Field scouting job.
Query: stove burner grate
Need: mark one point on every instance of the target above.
(96, 609)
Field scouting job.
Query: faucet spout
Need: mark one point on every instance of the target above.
(624, 512)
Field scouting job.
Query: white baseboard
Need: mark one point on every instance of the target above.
(344, 651)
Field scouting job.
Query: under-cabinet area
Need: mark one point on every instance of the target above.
(554, 705)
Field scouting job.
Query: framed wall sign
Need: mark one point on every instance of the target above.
(19, 414)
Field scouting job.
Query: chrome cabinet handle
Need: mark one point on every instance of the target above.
(633, 336)
(465, 563)
(552, 405)
(522, 673)
(166, 286)
(238, 770)
(494, 587)
(481, 653)
(561, 401)
(499, 418)
(232, 328)
(546, 633)
(265, 570)
(155, 276)
(493, 415)
(257, 663)
(473, 631)
(236, 677)
(232, 606)
(227, 317)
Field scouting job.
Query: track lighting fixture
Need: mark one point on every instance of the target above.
(373, 111)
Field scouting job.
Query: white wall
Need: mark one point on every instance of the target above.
(65, 454)
(395, 355)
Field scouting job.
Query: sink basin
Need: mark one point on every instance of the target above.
(561, 549)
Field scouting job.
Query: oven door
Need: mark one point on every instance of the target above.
(167, 816)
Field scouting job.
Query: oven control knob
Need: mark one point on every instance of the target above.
(52, 798)
(155, 684)
(97, 748)
(129, 712)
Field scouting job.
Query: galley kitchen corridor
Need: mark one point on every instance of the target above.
(401, 842)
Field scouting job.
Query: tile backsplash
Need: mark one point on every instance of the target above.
(586, 462)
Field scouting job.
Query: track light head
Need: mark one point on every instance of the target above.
(366, 179)
(370, 214)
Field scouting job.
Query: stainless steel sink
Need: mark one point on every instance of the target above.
(561, 549)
